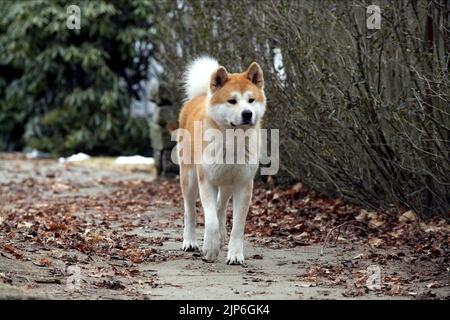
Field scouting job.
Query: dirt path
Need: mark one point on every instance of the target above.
(64, 234)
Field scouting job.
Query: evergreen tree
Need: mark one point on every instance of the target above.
(64, 91)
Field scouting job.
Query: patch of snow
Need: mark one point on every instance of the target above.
(152, 88)
(156, 68)
(135, 160)
(141, 108)
(75, 157)
(278, 65)
(36, 154)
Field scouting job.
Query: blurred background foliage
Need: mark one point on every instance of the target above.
(64, 91)
(363, 114)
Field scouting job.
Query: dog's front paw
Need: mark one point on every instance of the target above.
(235, 256)
(190, 245)
(211, 248)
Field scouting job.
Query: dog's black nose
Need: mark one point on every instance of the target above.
(246, 116)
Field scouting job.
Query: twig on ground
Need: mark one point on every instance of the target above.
(368, 225)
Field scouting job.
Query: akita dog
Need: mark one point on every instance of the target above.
(224, 102)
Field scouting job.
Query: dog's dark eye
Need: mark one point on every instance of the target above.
(232, 101)
(251, 100)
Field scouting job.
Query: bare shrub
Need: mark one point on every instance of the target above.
(363, 114)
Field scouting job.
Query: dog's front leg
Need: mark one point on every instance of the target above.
(188, 177)
(241, 202)
(211, 241)
(222, 203)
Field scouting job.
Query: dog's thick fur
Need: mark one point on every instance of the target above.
(219, 100)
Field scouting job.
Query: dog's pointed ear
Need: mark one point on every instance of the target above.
(218, 79)
(255, 75)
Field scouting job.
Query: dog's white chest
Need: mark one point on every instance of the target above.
(227, 162)
(227, 174)
(230, 163)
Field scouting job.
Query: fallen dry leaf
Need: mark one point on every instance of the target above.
(407, 217)
(434, 284)
(396, 290)
(375, 219)
(375, 242)
(13, 251)
(44, 262)
(362, 216)
(358, 256)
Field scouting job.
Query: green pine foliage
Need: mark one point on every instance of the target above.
(64, 91)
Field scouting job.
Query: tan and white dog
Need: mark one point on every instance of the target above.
(224, 102)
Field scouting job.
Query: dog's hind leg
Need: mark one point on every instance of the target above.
(222, 203)
(189, 187)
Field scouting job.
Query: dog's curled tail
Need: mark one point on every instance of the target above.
(198, 75)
